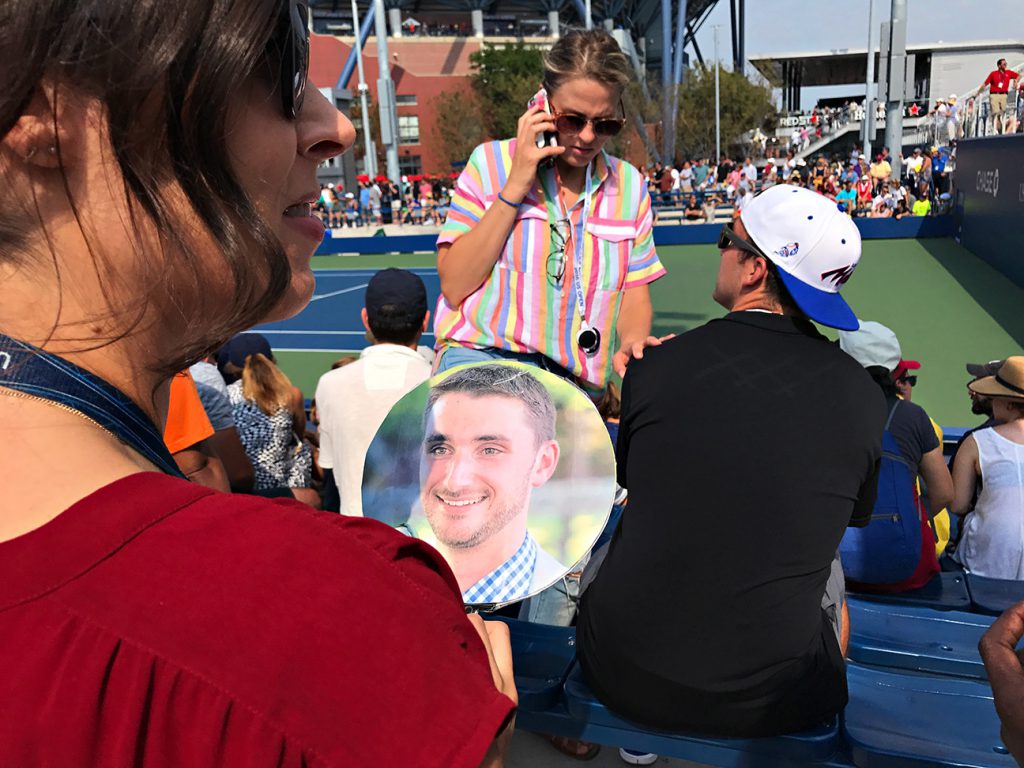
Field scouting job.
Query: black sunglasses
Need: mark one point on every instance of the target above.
(291, 43)
(728, 236)
(911, 380)
(556, 259)
(571, 123)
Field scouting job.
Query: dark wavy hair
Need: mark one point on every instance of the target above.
(164, 72)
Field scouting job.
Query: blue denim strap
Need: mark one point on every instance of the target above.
(32, 371)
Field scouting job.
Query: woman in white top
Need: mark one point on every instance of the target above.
(993, 539)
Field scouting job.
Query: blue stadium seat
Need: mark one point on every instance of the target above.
(542, 656)
(993, 596)
(917, 639)
(945, 592)
(902, 720)
(600, 725)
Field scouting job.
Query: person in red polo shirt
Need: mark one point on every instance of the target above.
(998, 81)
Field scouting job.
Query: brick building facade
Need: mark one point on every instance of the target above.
(422, 69)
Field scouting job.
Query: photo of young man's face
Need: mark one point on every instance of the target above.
(482, 457)
(506, 470)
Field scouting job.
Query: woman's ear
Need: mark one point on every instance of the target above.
(33, 139)
(37, 138)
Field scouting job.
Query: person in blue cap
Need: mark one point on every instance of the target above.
(747, 446)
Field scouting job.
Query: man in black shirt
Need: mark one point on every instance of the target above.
(725, 167)
(747, 446)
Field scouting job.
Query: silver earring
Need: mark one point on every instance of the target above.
(52, 149)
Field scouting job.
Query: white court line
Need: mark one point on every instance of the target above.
(291, 332)
(338, 293)
(326, 333)
(318, 349)
(334, 272)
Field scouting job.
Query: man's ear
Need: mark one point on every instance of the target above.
(755, 269)
(426, 321)
(35, 137)
(366, 325)
(545, 464)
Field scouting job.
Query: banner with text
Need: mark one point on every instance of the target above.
(990, 201)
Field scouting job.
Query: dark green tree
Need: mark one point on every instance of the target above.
(503, 79)
(744, 106)
(458, 127)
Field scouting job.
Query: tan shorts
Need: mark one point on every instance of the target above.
(997, 101)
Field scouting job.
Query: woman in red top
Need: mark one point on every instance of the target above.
(159, 163)
(864, 193)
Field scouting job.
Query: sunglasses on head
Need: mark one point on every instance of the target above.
(572, 123)
(290, 43)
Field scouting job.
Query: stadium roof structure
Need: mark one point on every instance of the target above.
(641, 18)
(848, 66)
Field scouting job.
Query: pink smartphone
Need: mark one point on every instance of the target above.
(545, 139)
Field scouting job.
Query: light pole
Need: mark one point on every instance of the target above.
(386, 94)
(896, 83)
(718, 105)
(370, 158)
(867, 128)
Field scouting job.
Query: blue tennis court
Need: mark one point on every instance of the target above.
(331, 322)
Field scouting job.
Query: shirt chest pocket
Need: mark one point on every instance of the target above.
(612, 242)
(528, 244)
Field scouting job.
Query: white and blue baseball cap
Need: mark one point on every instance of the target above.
(814, 245)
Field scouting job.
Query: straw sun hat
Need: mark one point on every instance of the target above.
(1008, 382)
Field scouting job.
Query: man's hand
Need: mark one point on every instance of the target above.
(998, 648)
(635, 349)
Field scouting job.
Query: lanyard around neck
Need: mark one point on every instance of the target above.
(42, 375)
(562, 214)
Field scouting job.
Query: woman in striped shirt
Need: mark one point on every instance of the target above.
(547, 252)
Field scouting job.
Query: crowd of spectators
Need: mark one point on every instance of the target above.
(699, 190)
(373, 203)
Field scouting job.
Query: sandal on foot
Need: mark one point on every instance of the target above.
(574, 748)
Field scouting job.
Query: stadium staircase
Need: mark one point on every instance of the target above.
(919, 694)
(914, 132)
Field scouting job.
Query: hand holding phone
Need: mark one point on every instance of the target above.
(537, 145)
(540, 100)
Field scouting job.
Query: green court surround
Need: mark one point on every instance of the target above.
(947, 306)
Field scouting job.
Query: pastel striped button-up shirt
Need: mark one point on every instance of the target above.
(520, 308)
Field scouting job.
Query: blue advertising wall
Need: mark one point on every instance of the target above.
(990, 201)
(682, 234)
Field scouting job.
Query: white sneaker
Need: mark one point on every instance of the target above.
(633, 757)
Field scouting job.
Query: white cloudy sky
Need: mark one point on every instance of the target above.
(782, 26)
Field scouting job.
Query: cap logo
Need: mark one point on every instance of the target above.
(791, 249)
(839, 276)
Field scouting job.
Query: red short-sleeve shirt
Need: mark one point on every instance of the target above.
(156, 622)
(999, 80)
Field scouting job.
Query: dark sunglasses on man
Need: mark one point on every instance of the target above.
(728, 237)
(290, 43)
(908, 379)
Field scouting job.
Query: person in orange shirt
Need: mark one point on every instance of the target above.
(187, 433)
